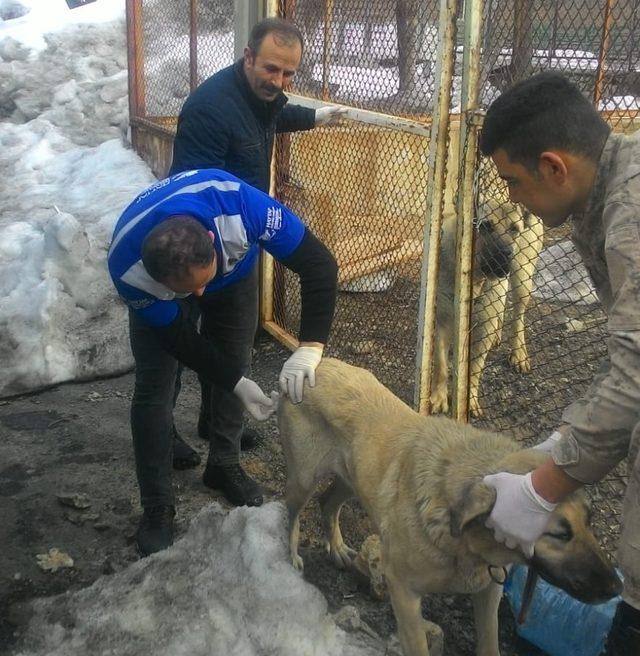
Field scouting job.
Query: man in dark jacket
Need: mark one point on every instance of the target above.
(230, 120)
(229, 123)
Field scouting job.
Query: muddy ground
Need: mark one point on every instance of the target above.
(74, 439)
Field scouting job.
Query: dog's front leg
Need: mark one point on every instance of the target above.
(521, 283)
(439, 387)
(407, 609)
(485, 612)
(487, 318)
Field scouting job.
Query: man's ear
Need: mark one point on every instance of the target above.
(248, 56)
(477, 501)
(552, 166)
(212, 235)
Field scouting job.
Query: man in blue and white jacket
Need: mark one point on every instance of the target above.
(191, 242)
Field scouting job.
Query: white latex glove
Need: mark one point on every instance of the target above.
(329, 115)
(255, 401)
(300, 366)
(549, 443)
(520, 514)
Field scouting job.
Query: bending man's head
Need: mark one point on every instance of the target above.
(545, 138)
(179, 253)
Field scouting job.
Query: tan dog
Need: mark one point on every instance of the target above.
(419, 479)
(508, 243)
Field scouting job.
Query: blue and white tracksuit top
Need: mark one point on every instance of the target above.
(241, 218)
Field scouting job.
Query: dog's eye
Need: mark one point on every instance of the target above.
(563, 536)
(514, 230)
(560, 530)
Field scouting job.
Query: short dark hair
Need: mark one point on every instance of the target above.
(286, 33)
(175, 246)
(543, 112)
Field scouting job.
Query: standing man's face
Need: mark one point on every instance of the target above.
(272, 68)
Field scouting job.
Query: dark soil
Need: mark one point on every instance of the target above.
(75, 438)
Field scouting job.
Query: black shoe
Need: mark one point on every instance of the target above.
(184, 457)
(155, 531)
(234, 483)
(624, 636)
(249, 439)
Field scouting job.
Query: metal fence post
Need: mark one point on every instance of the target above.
(469, 124)
(435, 196)
(604, 51)
(193, 44)
(135, 63)
(247, 13)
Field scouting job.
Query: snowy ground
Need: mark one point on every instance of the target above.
(227, 587)
(67, 173)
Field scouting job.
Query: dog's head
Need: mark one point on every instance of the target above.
(499, 223)
(567, 555)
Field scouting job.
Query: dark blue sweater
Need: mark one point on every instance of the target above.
(224, 125)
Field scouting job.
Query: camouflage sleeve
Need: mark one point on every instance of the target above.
(603, 420)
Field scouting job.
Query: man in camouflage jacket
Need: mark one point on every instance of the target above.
(559, 159)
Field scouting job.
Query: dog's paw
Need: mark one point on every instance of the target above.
(435, 638)
(474, 407)
(439, 402)
(519, 360)
(342, 555)
(297, 562)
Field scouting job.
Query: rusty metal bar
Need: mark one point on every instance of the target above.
(135, 59)
(193, 44)
(328, 21)
(435, 196)
(604, 51)
(270, 8)
(465, 210)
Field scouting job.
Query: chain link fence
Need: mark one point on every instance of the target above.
(178, 45)
(361, 186)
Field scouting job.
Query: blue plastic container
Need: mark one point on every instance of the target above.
(557, 623)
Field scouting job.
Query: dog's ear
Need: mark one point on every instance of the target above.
(477, 501)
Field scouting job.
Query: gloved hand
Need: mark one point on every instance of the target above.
(329, 115)
(520, 514)
(549, 443)
(302, 364)
(255, 401)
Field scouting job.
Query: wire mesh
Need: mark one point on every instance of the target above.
(183, 44)
(361, 186)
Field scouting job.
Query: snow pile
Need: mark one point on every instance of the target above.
(227, 587)
(561, 276)
(67, 175)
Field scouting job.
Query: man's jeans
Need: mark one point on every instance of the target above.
(229, 319)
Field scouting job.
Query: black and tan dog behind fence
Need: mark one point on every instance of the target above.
(420, 480)
(507, 245)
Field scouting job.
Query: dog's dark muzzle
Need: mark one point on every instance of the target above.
(495, 260)
(590, 585)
